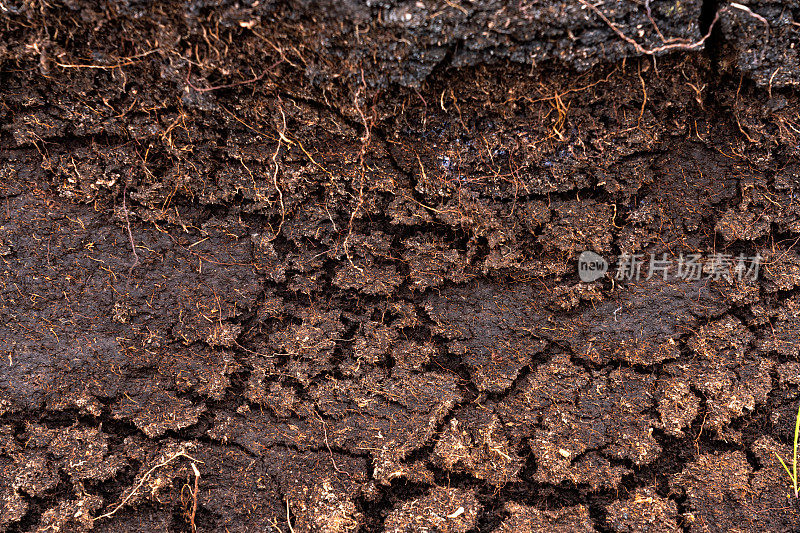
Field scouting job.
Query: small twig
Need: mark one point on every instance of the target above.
(281, 137)
(227, 86)
(130, 233)
(280, 51)
(325, 432)
(644, 99)
(365, 141)
(194, 498)
(289, 517)
(736, 112)
(350, 226)
(769, 89)
(124, 62)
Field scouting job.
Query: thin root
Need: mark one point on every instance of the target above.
(669, 44)
(141, 482)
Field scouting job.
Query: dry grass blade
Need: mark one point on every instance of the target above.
(793, 472)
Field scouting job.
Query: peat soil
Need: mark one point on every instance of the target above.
(313, 265)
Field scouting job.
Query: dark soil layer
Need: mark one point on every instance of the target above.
(312, 266)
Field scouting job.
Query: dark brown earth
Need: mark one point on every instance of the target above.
(312, 265)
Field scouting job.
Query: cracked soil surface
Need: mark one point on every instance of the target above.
(311, 266)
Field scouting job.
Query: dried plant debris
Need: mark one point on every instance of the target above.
(532, 520)
(441, 510)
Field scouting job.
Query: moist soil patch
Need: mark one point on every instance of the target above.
(314, 266)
